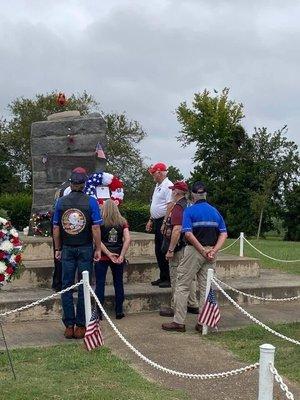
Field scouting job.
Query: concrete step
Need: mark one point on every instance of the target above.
(37, 247)
(38, 273)
(142, 297)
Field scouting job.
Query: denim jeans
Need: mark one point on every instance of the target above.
(101, 268)
(77, 258)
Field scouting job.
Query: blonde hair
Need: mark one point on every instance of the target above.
(111, 214)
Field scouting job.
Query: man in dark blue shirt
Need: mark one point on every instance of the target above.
(76, 226)
(205, 232)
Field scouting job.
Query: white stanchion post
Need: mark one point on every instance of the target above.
(242, 244)
(265, 388)
(87, 297)
(210, 275)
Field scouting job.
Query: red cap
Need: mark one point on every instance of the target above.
(157, 167)
(79, 170)
(180, 185)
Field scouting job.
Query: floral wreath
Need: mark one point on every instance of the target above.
(10, 251)
(105, 179)
(40, 224)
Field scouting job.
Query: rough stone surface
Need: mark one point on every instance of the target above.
(53, 156)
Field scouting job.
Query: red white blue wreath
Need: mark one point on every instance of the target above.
(102, 180)
(10, 251)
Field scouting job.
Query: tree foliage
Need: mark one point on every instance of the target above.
(291, 213)
(246, 176)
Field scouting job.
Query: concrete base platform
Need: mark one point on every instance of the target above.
(141, 297)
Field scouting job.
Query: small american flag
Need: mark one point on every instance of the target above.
(99, 151)
(93, 337)
(210, 313)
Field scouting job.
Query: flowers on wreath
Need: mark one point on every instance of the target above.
(114, 184)
(41, 224)
(10, 251)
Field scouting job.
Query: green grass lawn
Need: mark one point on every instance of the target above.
(245, 344)
(273, 247)
(68, 372)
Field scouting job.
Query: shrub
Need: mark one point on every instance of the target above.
(17, 207)
(137, 215)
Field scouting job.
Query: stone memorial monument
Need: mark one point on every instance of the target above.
(63, 142)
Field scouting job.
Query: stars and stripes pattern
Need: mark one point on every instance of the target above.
(99, 151)
(210, 313)
(93, 336)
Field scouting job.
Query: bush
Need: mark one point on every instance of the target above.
(17, 207)
(137, 215)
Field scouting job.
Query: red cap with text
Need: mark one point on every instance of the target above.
(157, 167)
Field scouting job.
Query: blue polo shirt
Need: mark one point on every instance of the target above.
(204, 221)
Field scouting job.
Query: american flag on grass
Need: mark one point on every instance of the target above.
(93, 337)
(99, 151)
(210, 313)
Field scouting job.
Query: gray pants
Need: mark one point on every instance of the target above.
(174, 263)
(192, 265)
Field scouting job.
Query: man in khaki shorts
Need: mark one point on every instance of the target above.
(174, 238)
(205, 232)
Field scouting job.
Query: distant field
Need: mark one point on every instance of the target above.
(273, 247)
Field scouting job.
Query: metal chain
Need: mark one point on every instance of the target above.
(254, 296)
(231, 244)
(266, 255)
(35, 303)
(253, 318)
(283, 386)
(164, 369)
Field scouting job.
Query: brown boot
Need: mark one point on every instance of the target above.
(69, 332)
(79, 332)
(173, 326)
(198, 328)
(166, 312)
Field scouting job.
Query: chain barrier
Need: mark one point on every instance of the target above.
(266, 255)
(231, 244)
(162, 368)
(36, 303)
(283, 386)
(253, 318)
(254, 296)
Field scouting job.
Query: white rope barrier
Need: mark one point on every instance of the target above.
(289, 395)
(162, 368)
(253, 318)
(257, 297)
(231, 244)
(266, 255)
(36, 303)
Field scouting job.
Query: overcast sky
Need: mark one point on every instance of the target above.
(145, 57)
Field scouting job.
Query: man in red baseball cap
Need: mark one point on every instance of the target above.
(161, 200)
(174, 244)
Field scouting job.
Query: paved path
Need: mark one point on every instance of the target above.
(184, 351)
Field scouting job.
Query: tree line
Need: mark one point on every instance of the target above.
(252, 178)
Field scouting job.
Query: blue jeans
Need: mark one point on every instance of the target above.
(101, 268)
(79, 258)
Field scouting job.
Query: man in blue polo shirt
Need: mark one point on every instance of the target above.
(205, 232)
(76, 227)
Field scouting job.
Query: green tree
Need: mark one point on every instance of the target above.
(291, 213)
(246, 176)
(174, 174)
(124, 158)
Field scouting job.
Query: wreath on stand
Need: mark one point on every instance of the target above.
(98, 181)
(10, 251)
(41, 224)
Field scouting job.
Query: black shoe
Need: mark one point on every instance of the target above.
(192, 310)
(156, 283)
(164, 284)
(120, 316)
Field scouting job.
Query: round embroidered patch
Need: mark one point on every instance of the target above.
(73, 221)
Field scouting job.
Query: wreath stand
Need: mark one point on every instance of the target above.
(7, 352)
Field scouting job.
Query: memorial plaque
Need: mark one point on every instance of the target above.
(59, 167)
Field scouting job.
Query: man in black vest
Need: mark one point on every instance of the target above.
(174, 245)
(76, 225)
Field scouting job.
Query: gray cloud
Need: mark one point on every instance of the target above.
(146, 57)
